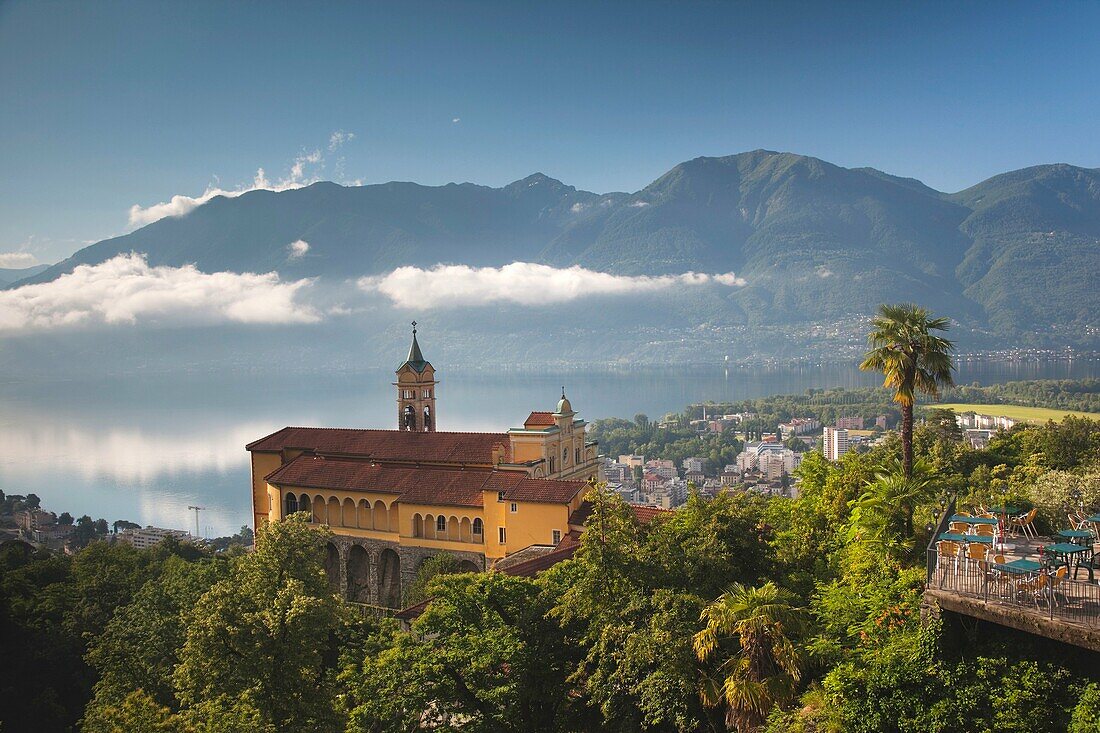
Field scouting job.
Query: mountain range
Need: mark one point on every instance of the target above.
(1014, 257)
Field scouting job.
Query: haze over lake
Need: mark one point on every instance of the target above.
(146, 448)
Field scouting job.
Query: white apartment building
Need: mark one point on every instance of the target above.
(693, 465)
(835, 443)
(799, 426)
(974, 421)
(150, 536)
(666, 469)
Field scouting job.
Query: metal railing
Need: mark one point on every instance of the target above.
(1040, 593)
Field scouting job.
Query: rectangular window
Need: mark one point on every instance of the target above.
(514, 508)
(500, 496)
(557, 537)
(503, 535)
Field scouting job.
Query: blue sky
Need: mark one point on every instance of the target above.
(111, 104)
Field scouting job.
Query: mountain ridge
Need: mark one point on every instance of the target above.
(1014, 253)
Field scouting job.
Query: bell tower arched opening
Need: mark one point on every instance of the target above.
(416, 385)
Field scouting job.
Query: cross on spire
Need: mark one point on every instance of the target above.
(414, 327)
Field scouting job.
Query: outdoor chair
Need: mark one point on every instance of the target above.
(1056, 582)
(975, 552)
(960, 527)
(1026, 524)
(963, 513)
(1034, 588)
(947, 553)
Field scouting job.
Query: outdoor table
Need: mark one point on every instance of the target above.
(956, 537)
(1006, 509)
(1076, 536)
(1019, 567)
(1093, 518)
(1066, 551)
(974, 520)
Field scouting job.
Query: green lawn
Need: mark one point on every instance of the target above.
(1018, 412)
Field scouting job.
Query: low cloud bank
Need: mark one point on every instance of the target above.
(127, 290)
(524, 283)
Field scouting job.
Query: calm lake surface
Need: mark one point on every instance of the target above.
(145, 448)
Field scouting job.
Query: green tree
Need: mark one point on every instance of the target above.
(912, 358)
(484, 656)
(139, 649)
(266, 636)
(758, 666)
(443, 563)
(883, 513)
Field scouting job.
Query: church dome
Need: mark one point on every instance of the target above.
(564, 408)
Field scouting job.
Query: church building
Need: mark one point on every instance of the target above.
(395, 497)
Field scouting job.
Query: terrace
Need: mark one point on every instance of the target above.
(993, 569)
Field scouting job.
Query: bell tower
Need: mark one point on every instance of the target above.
(416, 391)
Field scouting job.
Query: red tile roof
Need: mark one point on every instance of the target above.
(530, 568)
(544, 491)
(421, 484)
(539, 420)
(642, 513)
(390, 445)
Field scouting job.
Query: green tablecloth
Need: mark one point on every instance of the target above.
(1019, 567)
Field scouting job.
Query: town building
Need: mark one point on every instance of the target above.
(392, 498)
(849, 423)
(835, 443)
(147, 537)
(693, 464)
(666, 469)
(799, 426)
(975, 421)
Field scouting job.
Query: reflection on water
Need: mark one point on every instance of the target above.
(144, 449)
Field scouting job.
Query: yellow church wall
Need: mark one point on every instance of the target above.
(262, 465)
(528, 449)
(533, 523)
(493, 512)
(418, 527)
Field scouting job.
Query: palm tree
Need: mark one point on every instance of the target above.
(762, 669)
(912, 359)
(883, 513)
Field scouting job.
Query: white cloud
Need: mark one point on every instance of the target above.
(731, 280)
(823, 271)
(339, 138)
(578, 207)
(17, 260)
(456, 120)
(127, 290)
(525, 283)
(304, 171)
(297, 249)
(638, 204)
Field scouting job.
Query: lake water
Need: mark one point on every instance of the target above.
(146, 448)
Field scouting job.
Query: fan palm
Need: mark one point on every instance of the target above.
(883, 513)
(912, 358)
(762, 669)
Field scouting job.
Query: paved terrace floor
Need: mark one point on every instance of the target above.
(1032, 600)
